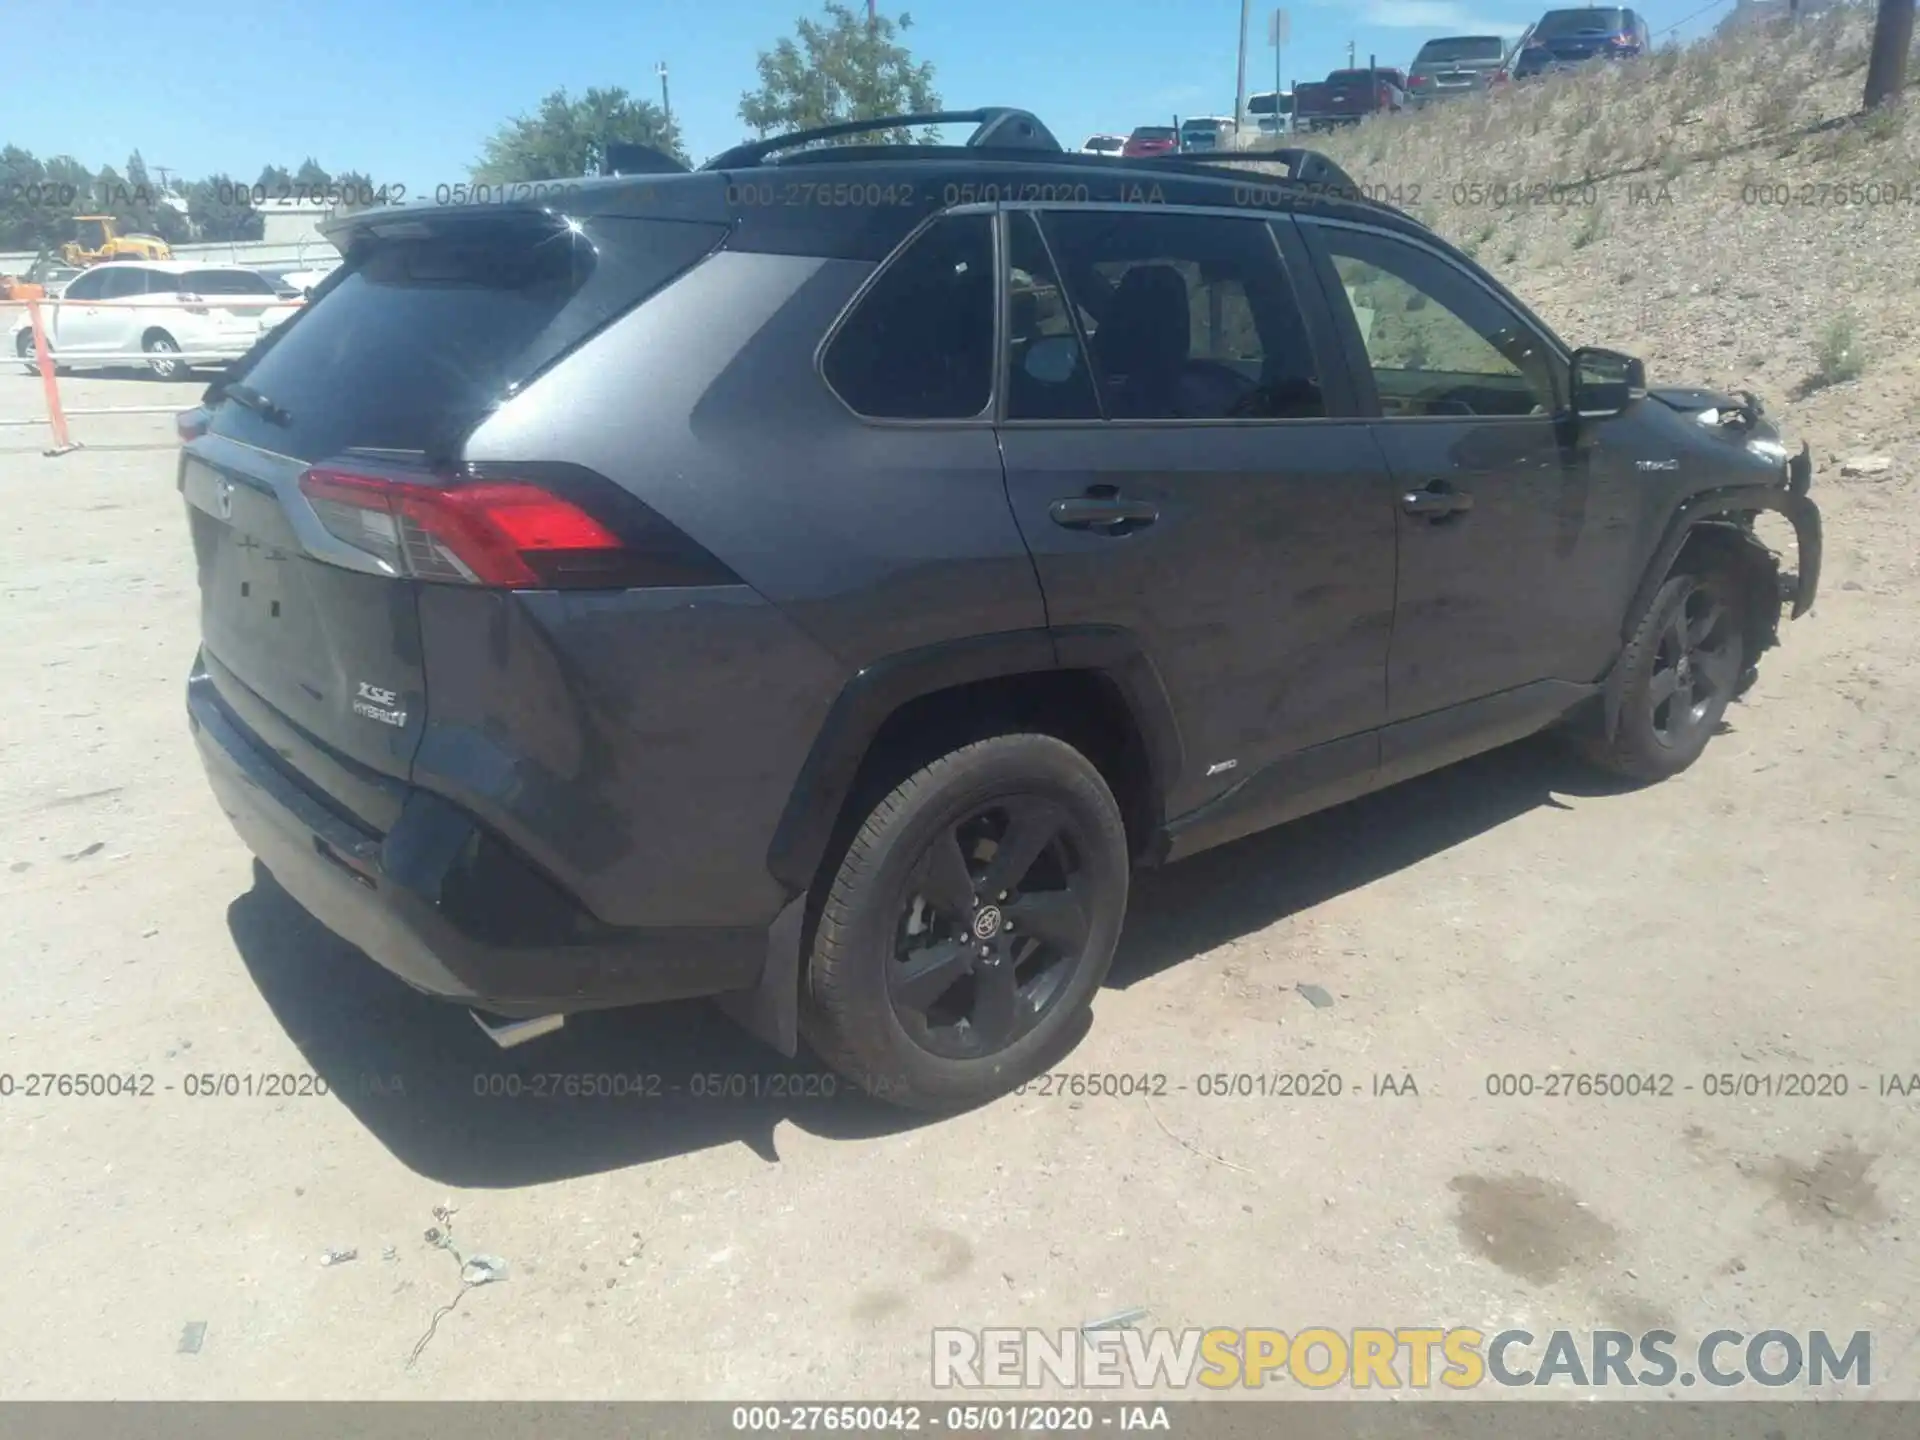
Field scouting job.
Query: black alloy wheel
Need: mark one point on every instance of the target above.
(994, 928)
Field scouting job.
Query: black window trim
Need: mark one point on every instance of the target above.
(982, 420)
(1343, 400)
(1357, 360)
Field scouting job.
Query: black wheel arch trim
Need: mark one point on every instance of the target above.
(1718, 504)
(879, 689)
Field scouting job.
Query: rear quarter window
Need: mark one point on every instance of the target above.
(431, 329)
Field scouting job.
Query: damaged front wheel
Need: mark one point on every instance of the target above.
(1684, 665)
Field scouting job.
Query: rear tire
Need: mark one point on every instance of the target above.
(970, 922)
(1681, 669)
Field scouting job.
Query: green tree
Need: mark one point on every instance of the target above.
(843, 68)
(310, 176)
(221, 210)
(564, 138)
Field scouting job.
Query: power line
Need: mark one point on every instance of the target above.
(1696, 15)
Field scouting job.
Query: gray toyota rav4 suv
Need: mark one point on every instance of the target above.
(817, 581)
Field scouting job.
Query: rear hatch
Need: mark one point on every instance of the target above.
(1570, 37)
(327, 485)
(243, 302)
(1353, 92)
(1455, 65)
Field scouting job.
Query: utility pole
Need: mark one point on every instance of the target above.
(1349, 55)
(1887, 62)
(666, 107)
(1240, 89)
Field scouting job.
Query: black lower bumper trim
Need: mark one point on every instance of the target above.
(402, 897)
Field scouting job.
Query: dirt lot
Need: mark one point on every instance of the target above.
(1756, 915)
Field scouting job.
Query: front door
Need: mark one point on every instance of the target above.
(1185, 465)
(78, 323)
(1505, 531)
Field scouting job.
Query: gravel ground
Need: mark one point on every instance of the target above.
(1755, 915)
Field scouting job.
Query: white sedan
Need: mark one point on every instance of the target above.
(171, 314)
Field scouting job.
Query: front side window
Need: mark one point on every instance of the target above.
(919, 344)
(1188, 317)
(86, 286)
(119, 284)
(1437, 343)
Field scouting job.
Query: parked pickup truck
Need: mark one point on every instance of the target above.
(1347, 97)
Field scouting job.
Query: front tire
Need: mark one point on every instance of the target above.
(971, 920)
(1684, 665)
(163, 356)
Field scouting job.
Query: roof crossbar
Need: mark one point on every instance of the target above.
(1000, 127)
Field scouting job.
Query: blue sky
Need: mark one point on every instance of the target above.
(406, 90)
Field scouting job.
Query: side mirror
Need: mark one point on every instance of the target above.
(1605, 382)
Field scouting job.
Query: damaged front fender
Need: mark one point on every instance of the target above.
(1731, 508)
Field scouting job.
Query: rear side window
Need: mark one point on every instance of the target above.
(225, 282)
(436, 323)
(919, 344)
(1189, 317)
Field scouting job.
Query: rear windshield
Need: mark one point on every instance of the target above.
(1201, 127)
(1462, 47)
(1576, 22)
(225, 282)
(1154, 132)
(430, 328)
(1356, 77)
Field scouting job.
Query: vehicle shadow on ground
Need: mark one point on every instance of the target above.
(453, 1107)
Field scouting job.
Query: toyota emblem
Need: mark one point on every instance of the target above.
(986, 924)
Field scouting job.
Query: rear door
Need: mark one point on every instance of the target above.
(313, 642)
(1186, 466)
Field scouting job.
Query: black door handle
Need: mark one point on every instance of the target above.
(1437, 501)
(1109, 514)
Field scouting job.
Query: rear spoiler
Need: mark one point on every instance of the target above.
(621, 159)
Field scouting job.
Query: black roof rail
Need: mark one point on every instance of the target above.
(1304, 167)
(618, 158)
(1000, 128)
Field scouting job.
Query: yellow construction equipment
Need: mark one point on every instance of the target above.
(96, 242)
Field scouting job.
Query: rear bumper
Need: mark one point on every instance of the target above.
(446, 906)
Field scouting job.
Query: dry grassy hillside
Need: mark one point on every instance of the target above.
(1722, 211)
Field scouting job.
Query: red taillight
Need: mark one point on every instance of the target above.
(191, 424)
(503, 533)
(1418, 81)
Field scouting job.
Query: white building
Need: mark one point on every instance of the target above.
(291, 220)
